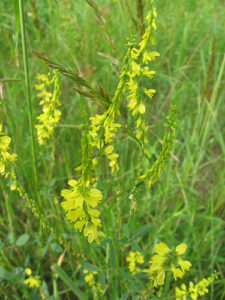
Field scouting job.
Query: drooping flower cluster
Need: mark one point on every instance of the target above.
(133, 259)
(81, 200)
(49, 94)
(166, 260)
(195, 290)
(140, 58)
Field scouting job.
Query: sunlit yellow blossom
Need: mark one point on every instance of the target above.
(135, 258)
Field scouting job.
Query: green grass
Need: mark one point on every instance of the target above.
(186, 205)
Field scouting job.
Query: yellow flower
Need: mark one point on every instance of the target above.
(32, 281)
(89, 277)
(133, 259)
(80, 204)
(165, 260)
(28, 271)
(149, 92)
(181, 294)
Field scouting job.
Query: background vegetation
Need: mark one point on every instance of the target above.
(186, 205)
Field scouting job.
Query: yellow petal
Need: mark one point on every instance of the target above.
(141, 108)
(162, 248)
(180, 249)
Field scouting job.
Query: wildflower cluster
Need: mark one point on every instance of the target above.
(49, 94)
(133, 259)
(138, 69)
(195, 290)
(168, 139)
(81, 200)
(32, 281)
(166, 260)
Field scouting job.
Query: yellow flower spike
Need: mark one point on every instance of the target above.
(50, 114)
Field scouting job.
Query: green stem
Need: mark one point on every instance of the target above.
(27, 82)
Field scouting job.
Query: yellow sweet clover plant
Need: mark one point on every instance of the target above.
(103, 131)
(49, 95)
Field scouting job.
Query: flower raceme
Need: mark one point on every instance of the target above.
(138, 69)
(166, 260)
(49, 101)
(133, 259)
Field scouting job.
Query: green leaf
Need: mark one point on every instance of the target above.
(102, 280)
(89, 267)
(143, 231)
(125, 296)
(21, 241)
(17, 16)
(56, 248)
(112, 256)
(69, 282)
(4, 274)
(44, 250)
